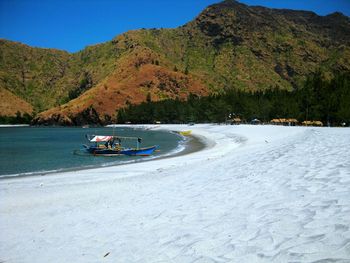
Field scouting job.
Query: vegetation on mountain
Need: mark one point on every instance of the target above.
(228, 47)
(48, 77)
(13, 109)
(318, 99)
(11, 104)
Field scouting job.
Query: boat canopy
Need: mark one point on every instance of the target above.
(104, 138)
(99, 138)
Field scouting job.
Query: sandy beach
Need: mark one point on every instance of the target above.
(254, 194)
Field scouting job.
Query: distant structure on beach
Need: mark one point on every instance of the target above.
(312, 123)
(255, 121)
(235, 121)
(286, 122)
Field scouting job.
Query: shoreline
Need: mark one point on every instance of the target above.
(280, 190)
(13, 125)
(192, 144)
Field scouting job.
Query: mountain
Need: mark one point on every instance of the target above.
(228, 46)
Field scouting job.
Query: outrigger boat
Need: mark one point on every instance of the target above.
(111, 145)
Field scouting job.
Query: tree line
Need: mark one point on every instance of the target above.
(18, 118)
(319, 98)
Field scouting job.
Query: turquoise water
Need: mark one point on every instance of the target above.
(31, 150)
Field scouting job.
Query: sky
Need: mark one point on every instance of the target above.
(73, 24)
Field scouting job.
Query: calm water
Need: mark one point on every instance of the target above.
(27, 150)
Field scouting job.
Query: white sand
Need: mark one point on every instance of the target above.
(256, 194)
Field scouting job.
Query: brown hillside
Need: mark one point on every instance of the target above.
(140, 73)
(11, 104)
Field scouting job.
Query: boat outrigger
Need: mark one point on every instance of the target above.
(111, 145)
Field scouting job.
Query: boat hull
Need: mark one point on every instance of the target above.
(124, 151)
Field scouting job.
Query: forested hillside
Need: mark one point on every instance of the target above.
(319, 99)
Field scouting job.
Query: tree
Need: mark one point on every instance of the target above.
(149, 98)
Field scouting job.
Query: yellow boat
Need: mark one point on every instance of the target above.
(185, 133)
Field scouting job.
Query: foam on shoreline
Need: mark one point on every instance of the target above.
(13, 125)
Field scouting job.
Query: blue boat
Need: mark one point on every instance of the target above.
(111, 146)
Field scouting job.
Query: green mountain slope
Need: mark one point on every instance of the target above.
(49, 77)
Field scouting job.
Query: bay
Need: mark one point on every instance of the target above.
(40, 150)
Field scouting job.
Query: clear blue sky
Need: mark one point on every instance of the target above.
(73, 24)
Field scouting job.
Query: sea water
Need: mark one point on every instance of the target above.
(40, 150)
